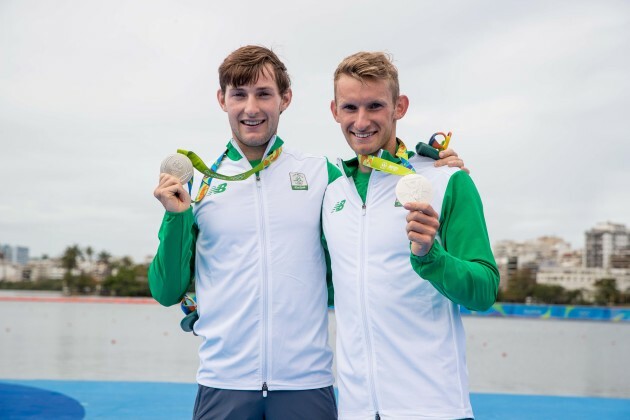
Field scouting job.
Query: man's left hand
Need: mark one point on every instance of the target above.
(450, 158)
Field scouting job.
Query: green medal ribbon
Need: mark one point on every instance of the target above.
(385, 165)
(203, 168)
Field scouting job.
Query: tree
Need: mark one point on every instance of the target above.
(520, 285)
(104, 258)
(548, 293)
(70, 257)
(89, 251)
(129, 280)
(69, 261)
(545, 293)
(606, 292)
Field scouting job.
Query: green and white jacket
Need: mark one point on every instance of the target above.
(400, 340)
(254, 250)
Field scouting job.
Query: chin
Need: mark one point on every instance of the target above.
(365, 150)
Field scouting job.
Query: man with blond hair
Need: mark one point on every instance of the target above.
(400, 270)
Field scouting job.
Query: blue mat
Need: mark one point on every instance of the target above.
(20, 399)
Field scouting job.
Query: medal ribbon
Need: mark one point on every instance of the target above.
(383, 165)
(210, 173)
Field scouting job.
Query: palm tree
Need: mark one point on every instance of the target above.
(104, 258)
(89, 251)
(69, 261)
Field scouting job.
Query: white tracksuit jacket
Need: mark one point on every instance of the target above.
(260, 275)
(400, 343)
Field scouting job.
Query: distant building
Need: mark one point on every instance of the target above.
(14, 255)
(621, 259)
(21, 255)
(532, 255)
(45, 269)
(7, 253)
(584, 278)
(603, 242)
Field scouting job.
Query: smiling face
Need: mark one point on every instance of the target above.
(367, 113)
(254, 112)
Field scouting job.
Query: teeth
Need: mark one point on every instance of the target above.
(252, 123)
(363, 136)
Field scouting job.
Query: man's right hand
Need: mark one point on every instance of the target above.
(172, 194)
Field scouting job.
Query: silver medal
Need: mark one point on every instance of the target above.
(414, 188)
(179, 166)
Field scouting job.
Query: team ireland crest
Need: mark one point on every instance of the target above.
(298, 181)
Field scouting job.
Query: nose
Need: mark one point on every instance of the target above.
(251, 106)
(362, 121)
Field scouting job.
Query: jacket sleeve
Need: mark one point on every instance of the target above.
(172, 268)
(462, 266)
(333, 173)
(329, 282)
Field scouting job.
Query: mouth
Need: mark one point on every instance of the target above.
(362, 136)
(252, 123)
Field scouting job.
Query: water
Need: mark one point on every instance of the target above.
(142, 341)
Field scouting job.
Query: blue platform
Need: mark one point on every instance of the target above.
(37, 399)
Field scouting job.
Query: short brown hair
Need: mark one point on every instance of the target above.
(244, 65)
(370, 65)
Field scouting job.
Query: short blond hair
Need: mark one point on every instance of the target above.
(370, 65)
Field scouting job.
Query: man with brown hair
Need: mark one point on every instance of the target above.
(400, 270)
(253, 247)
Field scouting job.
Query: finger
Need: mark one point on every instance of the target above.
(421, 228)
(419, 238)
(448, 152)
(167, 180)
(168, 191)
(422, 206)
(422, 217)
(450, 161)
(429, 228)
(164, 177)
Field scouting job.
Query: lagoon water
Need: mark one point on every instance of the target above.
(138, 340)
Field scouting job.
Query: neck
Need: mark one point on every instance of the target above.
(391, 147)
(364, 169)
(252, 152)
(255, 152)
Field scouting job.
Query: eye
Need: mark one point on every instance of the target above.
(238, 94)
(349, 107)
(375, 106)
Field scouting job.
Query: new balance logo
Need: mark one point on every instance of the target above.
(339, 206)
(217, 189)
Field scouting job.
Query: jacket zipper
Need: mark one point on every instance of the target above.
(265, 287)
(362, 292)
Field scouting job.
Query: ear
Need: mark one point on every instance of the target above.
(221, 99)
(286, 99)
(333, 109)
(402, 104)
